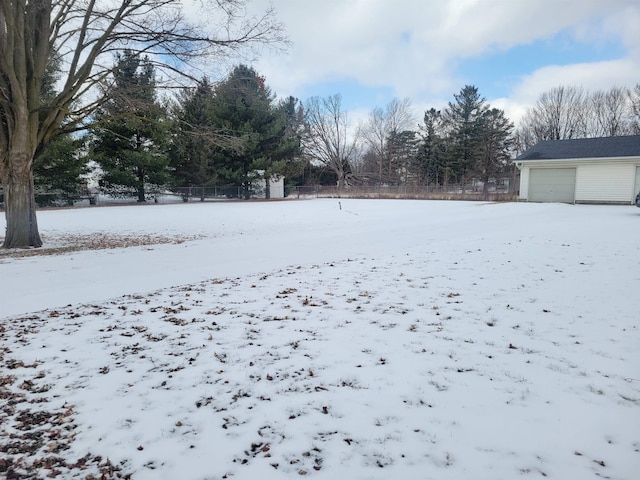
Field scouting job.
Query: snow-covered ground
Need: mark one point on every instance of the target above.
(355, 339)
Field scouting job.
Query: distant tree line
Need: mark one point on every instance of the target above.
(467, 140)
(236, 132)
(567, 112)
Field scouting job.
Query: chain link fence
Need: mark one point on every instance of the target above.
(440, 192)
(222, 193)
(60, 198)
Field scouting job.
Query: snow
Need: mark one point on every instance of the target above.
(360, 339)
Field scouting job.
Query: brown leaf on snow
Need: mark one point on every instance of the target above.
(288, 291)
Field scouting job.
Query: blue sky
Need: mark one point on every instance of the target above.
(495, 73)
(371, 51)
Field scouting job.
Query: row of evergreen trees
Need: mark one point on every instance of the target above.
(229, 134)
(467, 140)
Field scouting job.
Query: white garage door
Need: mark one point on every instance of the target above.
(637, 183)
(552, 185)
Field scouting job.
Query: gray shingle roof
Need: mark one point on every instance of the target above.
(628, 146)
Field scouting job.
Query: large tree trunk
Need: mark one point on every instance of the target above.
(341, 182)
(20, 204)
(142, 198)
(485, 187)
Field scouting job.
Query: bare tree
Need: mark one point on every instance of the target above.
(610, 112)
(568, 112)
(382, 126)
(83, 35)
(327, 139)
(634, 97)
(559, 114)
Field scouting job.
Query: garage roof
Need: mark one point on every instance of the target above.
(628, 146)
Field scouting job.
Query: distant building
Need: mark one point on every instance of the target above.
(586, 170)
(271, 188)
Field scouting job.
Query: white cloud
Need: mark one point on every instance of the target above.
(590, 76)
(413, 46)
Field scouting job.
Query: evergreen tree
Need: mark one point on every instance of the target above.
(430, 164)
(59, 166)
(59, 169)
(402, 148)
(195, 138)
(130, 144)
(244, 108)
(493, 146)
(287, 159)
(463, 119)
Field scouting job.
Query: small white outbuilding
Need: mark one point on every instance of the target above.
(586, 170)
(273, 187)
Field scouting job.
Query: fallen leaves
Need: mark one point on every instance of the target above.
(39, 437)
(96, 241)
(272, 349)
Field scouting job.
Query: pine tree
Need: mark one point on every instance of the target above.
(59, 166)
(59, 169)
(463, 119)
(244, 108)
(402, 147)
(195, 138)
(430, 161)
(288, 160)
(493, 146)
(130, 143)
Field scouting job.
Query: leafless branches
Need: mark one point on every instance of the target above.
(382, 126)
(568, 112)
(328, 140)
(83, 35)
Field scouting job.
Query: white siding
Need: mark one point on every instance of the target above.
(276, 186)
(597, 180)
(524, 183)
(611, 182)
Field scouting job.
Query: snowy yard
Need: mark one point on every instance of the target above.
(323, 339)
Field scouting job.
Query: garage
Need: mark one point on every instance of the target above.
(552, 185)
(583, 170)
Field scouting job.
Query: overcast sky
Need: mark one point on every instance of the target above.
(371, 51)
